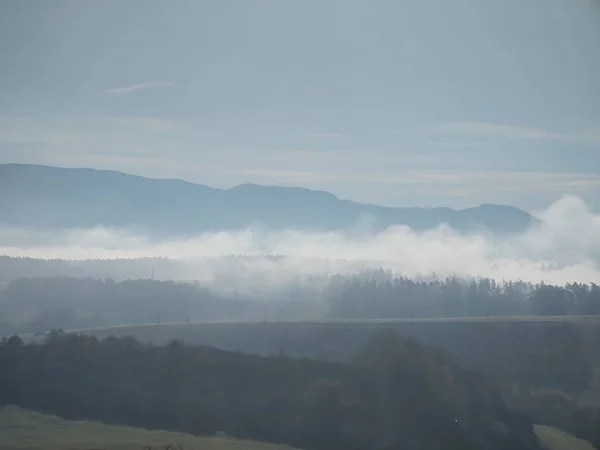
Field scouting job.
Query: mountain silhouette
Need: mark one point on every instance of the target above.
(51, 197)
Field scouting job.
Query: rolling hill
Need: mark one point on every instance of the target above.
(21, 429)
(554, 439)
(50, 197)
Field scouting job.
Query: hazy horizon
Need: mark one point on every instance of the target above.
(564, 248)
(319, 224)
(413, 103)
(400, 103)
(289, 185)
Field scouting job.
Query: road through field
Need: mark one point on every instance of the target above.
(570, 319)
(132, 328)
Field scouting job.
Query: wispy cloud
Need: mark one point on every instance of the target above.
(138, 87)
(118, 130)
(492, 180)
(28, 131)
(454, 182)
(329, 136)
(150, 124)
(14, 120)
(504, 132)
(500, 131)
(278, 176)
(463, 144)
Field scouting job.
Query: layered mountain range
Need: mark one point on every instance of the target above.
(51, 197)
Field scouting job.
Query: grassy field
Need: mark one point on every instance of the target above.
(329, 339)
(135, 328)
(560, 319)
(165, 332)
(21, 429)
(554, 439)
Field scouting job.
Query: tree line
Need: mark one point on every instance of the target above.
(29, 305)
(40, 304)
(381, 294)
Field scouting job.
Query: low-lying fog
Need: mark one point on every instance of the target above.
(564, 248)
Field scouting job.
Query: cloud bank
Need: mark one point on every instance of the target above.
(564, 248)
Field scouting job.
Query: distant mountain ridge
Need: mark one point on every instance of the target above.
(52, 197)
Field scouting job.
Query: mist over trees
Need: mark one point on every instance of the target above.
(29, 305)
(392, 300)
(543, 370)
(381, 294)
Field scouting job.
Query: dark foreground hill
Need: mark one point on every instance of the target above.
(51, 197)
(29, 430)
(396, 394)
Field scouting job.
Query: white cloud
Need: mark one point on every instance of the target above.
(138, 87)
(564, 248)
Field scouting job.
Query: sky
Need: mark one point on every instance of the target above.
(402, 103)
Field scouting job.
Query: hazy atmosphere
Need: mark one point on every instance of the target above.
(300, 225)
(564, 248)
(411, 103)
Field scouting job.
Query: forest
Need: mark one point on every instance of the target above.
(393, 394)
(30, 305)
(485, 389)
(380, 293)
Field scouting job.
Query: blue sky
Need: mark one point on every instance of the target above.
(413, 102)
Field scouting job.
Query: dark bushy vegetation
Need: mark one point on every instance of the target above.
(29, 305)
(395, 394)
(77, 303)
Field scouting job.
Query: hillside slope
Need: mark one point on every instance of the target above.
(394, 393)
(554, 439)
(51, 197)
(21, 429)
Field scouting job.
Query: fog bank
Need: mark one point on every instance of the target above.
(565, 247)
